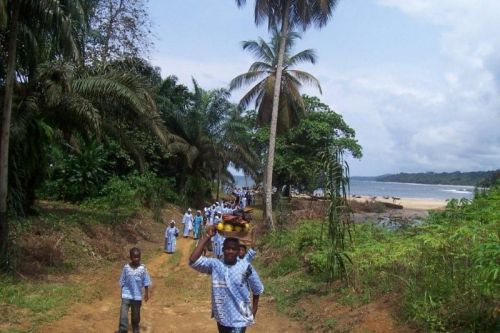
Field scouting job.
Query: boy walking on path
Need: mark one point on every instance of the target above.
(134, 277)
(232, 281)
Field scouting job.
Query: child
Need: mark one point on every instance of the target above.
(134, 277)
(217, 241)
(171, 234)
(246, 255)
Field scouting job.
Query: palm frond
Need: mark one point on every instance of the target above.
(308, 55)
(250, 96)
(305, 77)
(120, 136)
(261, 66)
(260, 49)
(86, 113)
(246, 79)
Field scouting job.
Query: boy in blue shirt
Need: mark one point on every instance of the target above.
(232, 281)
(134, 277)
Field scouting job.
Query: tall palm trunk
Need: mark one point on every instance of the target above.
(10, 79)
(274, 119)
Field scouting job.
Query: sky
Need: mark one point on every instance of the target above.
(418, 80)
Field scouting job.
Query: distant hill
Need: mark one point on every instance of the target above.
(364, 178)
(444, 178)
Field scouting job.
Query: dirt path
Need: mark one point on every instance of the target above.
(179, 302)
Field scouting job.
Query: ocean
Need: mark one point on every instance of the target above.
(408, 190)
(400, 190)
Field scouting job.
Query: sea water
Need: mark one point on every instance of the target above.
(409, 190)
(400, 190)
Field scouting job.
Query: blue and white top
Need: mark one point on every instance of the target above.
(218, 243)
(251, 253)
(132, 280)
(231, 304)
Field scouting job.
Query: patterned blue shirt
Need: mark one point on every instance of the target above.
(218, 242)
(231, 305)
(132, 280)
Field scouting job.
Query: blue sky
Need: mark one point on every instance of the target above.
(419, 80)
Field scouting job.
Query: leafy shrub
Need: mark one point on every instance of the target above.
(284, 266)
(122, 196)
(447, 269)
(75, 176)
(153, 191)
(117, 197)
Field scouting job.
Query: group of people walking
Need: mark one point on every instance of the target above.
(236, 285)
(197, 224)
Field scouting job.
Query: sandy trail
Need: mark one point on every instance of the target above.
(179, 302)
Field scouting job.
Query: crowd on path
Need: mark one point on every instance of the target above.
(236, 285)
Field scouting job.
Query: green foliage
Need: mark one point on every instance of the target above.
(297, 159)
(123, 196)
(154, 191)
(76, 175)
(41, 301)
(291, 105)
(479, 178)
(118, 196)
(339, 222)
(285, 266)
(447, 270)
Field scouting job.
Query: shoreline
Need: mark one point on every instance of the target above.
(407, 203)
(391, 182)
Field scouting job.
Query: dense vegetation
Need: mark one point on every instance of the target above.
(85, 115)
(87, 120)
(478, 178)
(445, 273)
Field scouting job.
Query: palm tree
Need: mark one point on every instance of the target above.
(73, 106)
(264, 70)
(95, 101)
(287, 14)
(24, 19)
(213, 134)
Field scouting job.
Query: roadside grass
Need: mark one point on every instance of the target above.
(175, 258)
(26, 304)
(63, 238)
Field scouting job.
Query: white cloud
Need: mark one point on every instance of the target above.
(209, 75)
(448, 121)
(410, 118)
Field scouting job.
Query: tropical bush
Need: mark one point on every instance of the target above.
(75, 175)
(446, 271)
(124, 195)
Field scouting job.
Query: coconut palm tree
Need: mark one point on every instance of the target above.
(21, 20)
(287, 14)
(264, 70)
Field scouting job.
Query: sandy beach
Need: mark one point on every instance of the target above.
(408, 203)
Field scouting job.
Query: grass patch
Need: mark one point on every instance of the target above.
(35, 303)
(175, 258)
